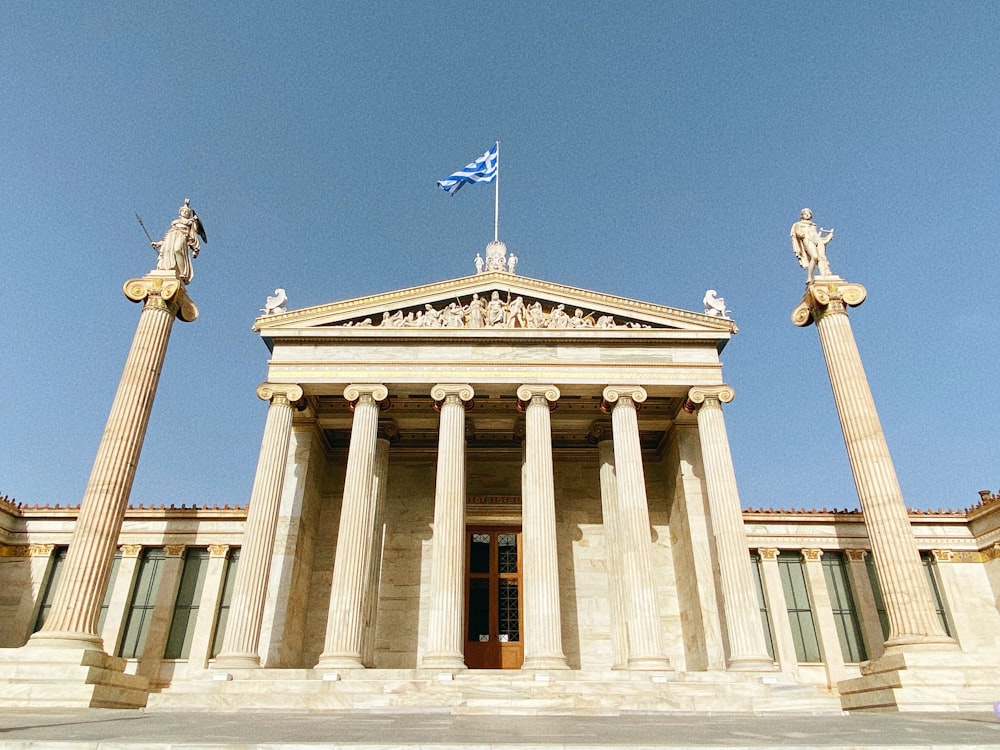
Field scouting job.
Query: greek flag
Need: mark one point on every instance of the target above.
(483, 169)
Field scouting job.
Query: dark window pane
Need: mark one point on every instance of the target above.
(479, 553)
(479, 609)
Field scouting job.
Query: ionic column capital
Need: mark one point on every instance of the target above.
(218, 550)
(823, 297)
(377, 392)
(856, 555)
(388, 430)
(768, 553)
(600, 431)
(712, 396)
(165, 292)
(621, 393)
(280, 393)
(131, 550)
(463, 391)
(526, 393)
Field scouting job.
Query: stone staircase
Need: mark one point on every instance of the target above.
(492, 692)
(53, 677)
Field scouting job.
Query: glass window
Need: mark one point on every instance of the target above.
(845, 612)
(765, 618)
(232, 564)
(800, 617)
(140, 613)
(49, 589)
(186, 606)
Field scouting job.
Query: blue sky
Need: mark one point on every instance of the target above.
(649, 149)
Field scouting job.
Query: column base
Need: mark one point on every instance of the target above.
(649, 664)
(442, 661)
(923, 681)
(544, 662)
(752, 664)
(65, 676)
(339, 661)
(236, 661)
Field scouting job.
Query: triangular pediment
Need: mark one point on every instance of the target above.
(496, 300)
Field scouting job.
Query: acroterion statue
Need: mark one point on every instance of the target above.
(809, 244)
(180, 243)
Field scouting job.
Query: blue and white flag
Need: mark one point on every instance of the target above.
(483, 169)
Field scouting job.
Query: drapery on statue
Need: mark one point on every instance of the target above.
(180, 243)
(809, 245)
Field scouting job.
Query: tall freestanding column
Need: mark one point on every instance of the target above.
(444, 627)
(909, 606)
(645, 643)
(240, 646)
(72, 621)
(388, 433)
(542, 621)
(747, 649)
(345, 622)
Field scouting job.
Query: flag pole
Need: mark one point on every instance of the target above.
(496, 205)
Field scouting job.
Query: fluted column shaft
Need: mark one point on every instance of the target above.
(644, 637)
(240, 645)
(613, 545)
(76, 606)
(542, 621)
(352, 563)
(380, 478)
(444, 628)
(908, 600)
(747, 649)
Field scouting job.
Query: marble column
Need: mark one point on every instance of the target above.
(600, 433)
(72, 621)
(344, 625)
(913, 621)
(542, 631)
(645, 642)
(445, 649)
(240, 645)
(747, 649)
(204, 629)
(777, 608)
(388, 433)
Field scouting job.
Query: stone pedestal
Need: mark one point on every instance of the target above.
(64, 663)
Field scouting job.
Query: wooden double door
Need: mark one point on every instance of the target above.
(493, 597)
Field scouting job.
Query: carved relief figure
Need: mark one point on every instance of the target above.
(515, 313)
(809, 244)
(180, 243)
(495, 312)
(536, 316)
(558, 317)
(477, 312)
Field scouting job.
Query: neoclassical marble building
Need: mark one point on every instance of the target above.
(495, 494)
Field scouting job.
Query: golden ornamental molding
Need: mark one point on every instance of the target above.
(131, 550)
(20, 550)
(218, 550)
(810, 554)
(856, 555)
(768, 553)
(174, 550)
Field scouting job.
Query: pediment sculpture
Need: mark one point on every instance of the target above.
(495, 312)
